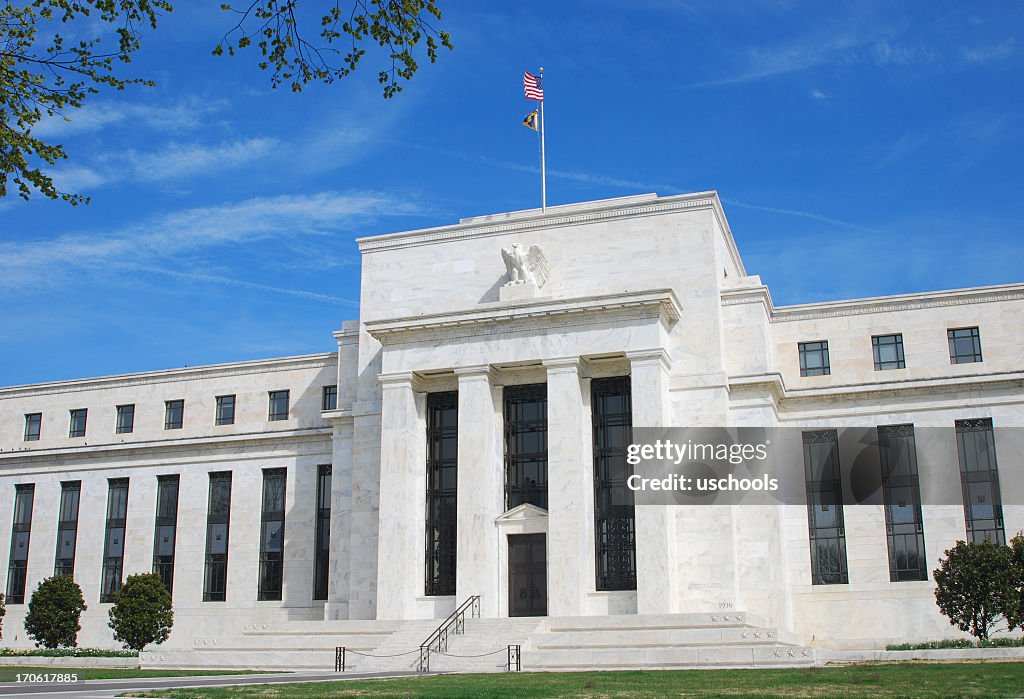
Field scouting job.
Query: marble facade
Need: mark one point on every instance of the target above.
(645, 286)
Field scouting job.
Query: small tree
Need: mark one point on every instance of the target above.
(142, 612)
(1015, 614)
(974, 586)
(54, 611)
(3, 610)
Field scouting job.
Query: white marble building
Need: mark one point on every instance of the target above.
(456, 454)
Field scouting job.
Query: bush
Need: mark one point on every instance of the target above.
(54, 611)
(142, 612)
(976, 586)
(66, 653)
(3, 610)
(1015, 614)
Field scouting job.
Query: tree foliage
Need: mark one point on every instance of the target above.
(142, 612)
(976, 586)
(3, 610)
(1015, 614)
(44, 73)
(54, 612)
(280, 31)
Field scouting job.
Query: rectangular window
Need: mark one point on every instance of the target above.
(174, 414)
(330, 401)
(614, 511)
(125, 419)
(272, 534)
(814, 358)
(526, 445)
(33, 425)
(17, 568)
(278, 405)
(901, 492)
(78, 417)
(964, 345)
(113, 542)
(321, 562)
(218, 516)
(442, 491)
(166, 529)
(225, 410)
(825, 508)
(979, 479)
(67, 528)
(888, 351)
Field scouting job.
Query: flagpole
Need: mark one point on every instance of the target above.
(543, 167)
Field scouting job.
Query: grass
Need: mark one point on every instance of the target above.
(8, 673)
(861, 681)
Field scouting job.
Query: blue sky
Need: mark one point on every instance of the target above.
(860, 149)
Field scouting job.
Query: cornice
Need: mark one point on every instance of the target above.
(212, 371)
(162, 445)
(506, 317)
(901, 302)
(556, 217)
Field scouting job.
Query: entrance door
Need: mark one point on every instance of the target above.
(527, 575)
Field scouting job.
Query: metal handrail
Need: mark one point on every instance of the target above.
(439, 637)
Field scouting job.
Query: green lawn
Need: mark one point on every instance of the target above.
(931, 680)
(8, 673)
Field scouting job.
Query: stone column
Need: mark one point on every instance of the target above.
(656, 545)
(338, 586)
(480, 489)
(402, 493)
(570, 529)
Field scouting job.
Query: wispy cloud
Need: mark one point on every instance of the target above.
(182, 116)
(818, 94)
(813, 215)
(241, 283)
(155, 243)
(990, 53)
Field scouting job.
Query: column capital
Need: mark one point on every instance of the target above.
(650, 356)
(474, 371)
(400, 379)
(563, 364)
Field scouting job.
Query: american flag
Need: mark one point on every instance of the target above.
(532, 87)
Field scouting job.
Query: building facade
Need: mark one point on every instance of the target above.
(468, 437)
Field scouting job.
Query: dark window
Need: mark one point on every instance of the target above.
(825, 508)
(272, 534)
(174, 414)
(113, 542)
(166, 529)
(33, 423)
(814, 358)
(218, 516)
(225, 410)
(78, 417)
(964, 345)
(321, 562)
(330, 401)
(614, 512)
(904, 525)
(125, 419)
(526, 445)
(17, 569)
(442, 491)
(979, 479)
(67, 528)
(888, 351)
(278, 405)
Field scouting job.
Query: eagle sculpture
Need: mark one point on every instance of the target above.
(529, 267)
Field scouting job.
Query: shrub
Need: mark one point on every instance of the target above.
(54, 611)
(142, 612)
(1015, 614)
(3, 610)
(975, 586)
(66, 653)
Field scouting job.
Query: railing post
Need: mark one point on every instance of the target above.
(512, 664)
(424, 659)
(339, 658)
